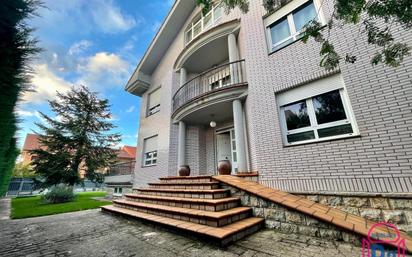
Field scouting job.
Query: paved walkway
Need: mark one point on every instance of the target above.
(92, 233)
(5, 208)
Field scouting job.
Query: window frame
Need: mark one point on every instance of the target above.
(149, 156)
(194, 22)
(152, 159)
(155, 109)
(118, 191)
(314, 126)
(287, 12)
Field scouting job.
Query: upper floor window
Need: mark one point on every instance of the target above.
(286, 25)
(202, 22)
(153, 105)
(316, 112)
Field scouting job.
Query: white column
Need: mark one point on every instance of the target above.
(183, 76)
(239, 135)
(233, 56)
(181, 147)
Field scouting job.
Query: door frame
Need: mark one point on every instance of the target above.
(230, 129)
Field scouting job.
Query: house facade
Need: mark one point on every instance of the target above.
(245, 88)
(119, 176)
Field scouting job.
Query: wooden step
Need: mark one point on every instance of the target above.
(192, 203)
(186, 185)
(185, 193)
(222, 235)
(210, 218)
(186, 179)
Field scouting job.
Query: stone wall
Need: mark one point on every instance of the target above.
(396, 209)
(286, 220)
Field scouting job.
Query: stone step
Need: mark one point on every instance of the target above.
(210, 218)
(186, 185)
(185, 179)
(221, 235)
(192, 203)
(185, 193)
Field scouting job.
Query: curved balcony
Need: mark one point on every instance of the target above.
(218, 79)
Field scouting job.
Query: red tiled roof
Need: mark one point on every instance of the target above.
(31, 142)
(127, 152)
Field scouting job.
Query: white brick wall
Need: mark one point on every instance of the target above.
(381, 97)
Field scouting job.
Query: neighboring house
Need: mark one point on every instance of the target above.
(30, 143)
(276, 111)
(119, 176)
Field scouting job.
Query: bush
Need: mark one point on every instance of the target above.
(59, 194)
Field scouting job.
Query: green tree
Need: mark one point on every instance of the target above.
(23, 171)
(375, 18)
(16, 48)
(78, 138)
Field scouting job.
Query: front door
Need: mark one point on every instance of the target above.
(223, 147)
(226, 148)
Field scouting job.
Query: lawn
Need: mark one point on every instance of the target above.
(26, 207)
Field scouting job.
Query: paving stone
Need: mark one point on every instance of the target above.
(92, 233)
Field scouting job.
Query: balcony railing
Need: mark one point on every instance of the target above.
(217, 78)
(124, 168)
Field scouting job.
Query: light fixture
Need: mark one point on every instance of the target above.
(212, 123)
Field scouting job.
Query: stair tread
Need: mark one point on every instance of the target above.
(180, 190)
(185, 177)
(188, 200)
(215, 232)
(187, 211)
(184, 183)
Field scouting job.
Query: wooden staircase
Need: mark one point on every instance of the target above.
(196, 205)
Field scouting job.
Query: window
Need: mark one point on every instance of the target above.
(118, 191)
(153, 105)
(219, 79)
(150, 151)
(323, 113)
(202, 22)
(285, 26)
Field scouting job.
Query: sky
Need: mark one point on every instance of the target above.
(96, 43)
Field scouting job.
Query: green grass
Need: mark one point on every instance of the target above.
(26, 207)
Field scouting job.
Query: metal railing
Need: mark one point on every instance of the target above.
(216, 78)
(123, 168)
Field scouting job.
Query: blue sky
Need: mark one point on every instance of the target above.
(97, 43)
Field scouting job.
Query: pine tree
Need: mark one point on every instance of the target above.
(16, 48)
(77, 138)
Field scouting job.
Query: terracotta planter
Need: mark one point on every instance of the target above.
(184, 170)
(224, 167)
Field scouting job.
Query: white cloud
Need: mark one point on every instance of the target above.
(131, 109)
(45, 84)
(79, 47)
(82, 17)
(103, 70)
(110, 19)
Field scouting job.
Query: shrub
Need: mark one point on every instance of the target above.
(59, 194)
